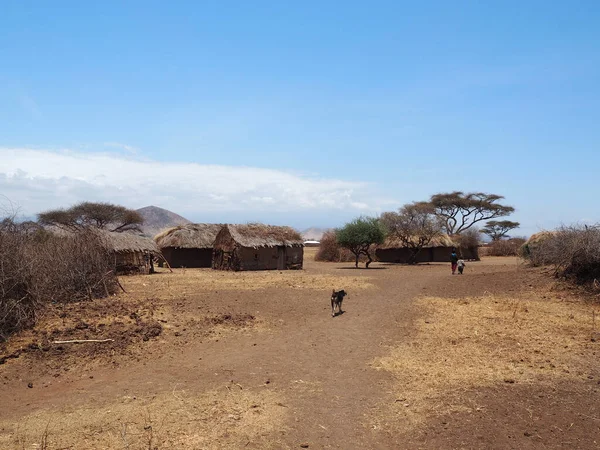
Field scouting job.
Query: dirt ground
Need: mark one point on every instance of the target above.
(500, 357)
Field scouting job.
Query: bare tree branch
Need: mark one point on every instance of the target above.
(415, 225)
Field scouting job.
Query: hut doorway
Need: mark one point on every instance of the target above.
(281, 257)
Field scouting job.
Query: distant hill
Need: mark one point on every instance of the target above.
(313, 233)
(157, 219)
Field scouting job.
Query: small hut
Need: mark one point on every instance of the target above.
(129, 251)
(132, 252)
(439, 249)
(257, 247)
(530, 249)
(312, 243)
(189, 245)
(538, 238)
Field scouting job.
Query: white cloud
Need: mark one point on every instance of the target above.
(42, 179)
(128, 148)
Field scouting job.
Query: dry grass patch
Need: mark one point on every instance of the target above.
(185, 282)
(484, 341)
(230, 417)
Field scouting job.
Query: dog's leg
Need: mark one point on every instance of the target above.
(340, 307)
(332, 308)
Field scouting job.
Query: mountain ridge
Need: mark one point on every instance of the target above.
(157, 219)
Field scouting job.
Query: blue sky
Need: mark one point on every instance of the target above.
(307, 113)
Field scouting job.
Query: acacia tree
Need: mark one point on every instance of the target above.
(106, 216)
(415, 225)
(461, 211)
(498, 229)
(359, 235)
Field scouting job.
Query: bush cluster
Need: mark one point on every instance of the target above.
(331, 251)
(38, 268)
(573, 251)
(508, 247)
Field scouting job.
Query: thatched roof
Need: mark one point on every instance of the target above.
(539, 237)
(438, 241)
(191, 235)
(257, 235)
(127, 242)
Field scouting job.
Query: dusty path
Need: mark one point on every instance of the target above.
(317, 365)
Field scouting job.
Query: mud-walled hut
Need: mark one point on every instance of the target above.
(257, 247)
(189, 245)
(438, 250)
(131, 252)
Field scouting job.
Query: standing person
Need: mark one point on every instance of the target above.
(461, 266)
(454, 260)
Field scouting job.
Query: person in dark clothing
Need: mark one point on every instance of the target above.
(461, 266)
(454, 260)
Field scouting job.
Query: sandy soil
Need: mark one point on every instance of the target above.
(496, 358)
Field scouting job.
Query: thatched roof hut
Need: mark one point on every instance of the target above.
(258, 235)
(539, 237)
(258, 247)
(438, 249)
(132, 252)
(531, 249)
(191, 235)
(189, 245)
(127, 242)
(442, 240)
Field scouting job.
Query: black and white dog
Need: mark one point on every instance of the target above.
(336, 300)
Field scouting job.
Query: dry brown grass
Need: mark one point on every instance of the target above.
(230, 417)
(184, 282)
(484, 341)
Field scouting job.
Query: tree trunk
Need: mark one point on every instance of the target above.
(369, 260)
(412, 259)
(356, 263)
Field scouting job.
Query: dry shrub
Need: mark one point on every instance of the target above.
(330, 250)
(573, 251)
(468, 242)
(509, 247)
(18, 306)
(37, 268)
(72, 268)
(483, 250)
